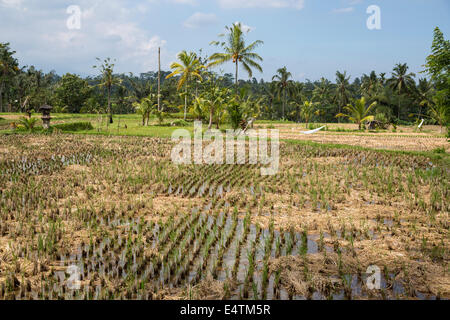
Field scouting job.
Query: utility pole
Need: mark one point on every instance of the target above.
(159, 78)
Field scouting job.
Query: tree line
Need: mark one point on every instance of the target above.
(195, 88)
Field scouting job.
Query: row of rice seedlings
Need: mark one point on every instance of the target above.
(249, 278)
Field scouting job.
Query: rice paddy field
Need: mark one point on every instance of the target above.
(136, 226)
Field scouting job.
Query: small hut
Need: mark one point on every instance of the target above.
(45, 109)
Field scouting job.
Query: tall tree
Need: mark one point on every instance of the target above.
(438, 65)
(189, 67)
(322, 94)
(439, 111)
(71, 93)
(284, 85)
(401, 82)
(370, 84)
(438, 62)
(342, 94)
(108, 80)
(237, 51)
(269, 92)
(9, 66)
(213, 99)
(298, 96)
(424, 94)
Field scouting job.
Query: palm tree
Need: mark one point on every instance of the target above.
(297, 98)
(358, 113)
(145, 107)
(401, 81)
(269, 90)
(322, 91)
(370, 84)
(141, 89)
(342, 94)
(28, 123)
(8, 67)
(382, 79)
(249, 105)
(322, 94)
(215, 98)
(108, 80)
(439, 111)
(237, 51)
(284, 85)
(424, 94)
(189, 67)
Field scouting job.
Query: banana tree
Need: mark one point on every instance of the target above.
(145, 108)
(307, 111)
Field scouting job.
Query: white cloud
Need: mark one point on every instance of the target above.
(344, 10)
(199, 20)
(234, 4)
(191, 2)
(112, 28)
(11, 3)
(245, 27)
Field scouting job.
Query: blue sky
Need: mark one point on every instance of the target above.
(313, 38)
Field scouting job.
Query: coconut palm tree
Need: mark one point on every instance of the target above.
(298, 98)
(322, 94)
(401, 82)
(439, 111)
(269, 92)
(370, 84)
(189, 67)
(108, 80)
(322, 91)
(237, 51)
(284, 85)
(358, 113)
(382, 79)
(424, 94)
(342, 94)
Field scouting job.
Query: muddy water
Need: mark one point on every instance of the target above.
(187, 262)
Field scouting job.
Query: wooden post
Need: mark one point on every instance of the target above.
(159, 78)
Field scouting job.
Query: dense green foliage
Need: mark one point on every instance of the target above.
(197, 91)
(74, 126)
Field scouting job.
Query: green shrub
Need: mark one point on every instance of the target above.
(439, 150)
(404, 123)
(235, 115)
(28, 123)
(74, 126)
(179, 123)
